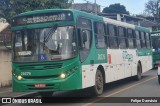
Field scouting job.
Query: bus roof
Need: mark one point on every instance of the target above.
(88, 15)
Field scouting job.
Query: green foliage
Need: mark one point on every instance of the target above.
(116, 8)
(9, 8)
(152, 8)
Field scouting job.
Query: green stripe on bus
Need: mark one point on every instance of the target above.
(144, 52)
(139, 28)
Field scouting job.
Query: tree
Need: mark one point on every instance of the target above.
(116, 8)
(9, 8)
(152, 7)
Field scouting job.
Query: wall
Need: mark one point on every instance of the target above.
(5, 67)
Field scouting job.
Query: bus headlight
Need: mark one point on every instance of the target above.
(63, 75)
(153, 50)
(68, 73)
(19, 77)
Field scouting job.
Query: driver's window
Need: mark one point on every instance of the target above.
(84, 37)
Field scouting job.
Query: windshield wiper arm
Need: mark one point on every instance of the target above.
(49, 34)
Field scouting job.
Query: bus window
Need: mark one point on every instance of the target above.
(84, 23)
(113, 40)
(138, 43)
(143, 43)
(84, 37)
(156, 44)
(122, 38)
(130, 38)
(148, 44)
(134, 39)
(106, 35)
(112, 30)
(99, 35)
(147, 36)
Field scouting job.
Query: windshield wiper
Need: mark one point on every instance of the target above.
(49, 34)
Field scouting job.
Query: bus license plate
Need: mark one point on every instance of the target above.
(40, 85)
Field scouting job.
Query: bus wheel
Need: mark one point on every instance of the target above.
(99, 83)
(46, 94)
(139, 73)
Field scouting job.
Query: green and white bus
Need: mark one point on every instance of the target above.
(155, 37)
(61, 50)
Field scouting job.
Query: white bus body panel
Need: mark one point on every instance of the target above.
(120, 67)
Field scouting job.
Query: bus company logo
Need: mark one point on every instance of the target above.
(127, 56)
(6, 100)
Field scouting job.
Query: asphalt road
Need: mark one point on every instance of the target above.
(147, 87)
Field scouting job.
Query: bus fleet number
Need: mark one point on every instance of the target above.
(25, 73)
(101, 57)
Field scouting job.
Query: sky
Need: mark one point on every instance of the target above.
(133, 6)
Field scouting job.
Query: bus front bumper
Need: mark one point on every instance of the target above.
(71, 82)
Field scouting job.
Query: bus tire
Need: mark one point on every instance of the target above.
(46, 94)
(139, 72)
(159, 79)
(99, 83)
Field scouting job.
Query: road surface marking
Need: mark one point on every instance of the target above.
(122, 90)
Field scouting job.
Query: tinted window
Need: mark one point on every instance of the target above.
(130, 38)
(122, 38)
(147, 36)
(121, 32)
(84, 37)
(84, 23)
(138, 42)
(130, 33)
(113, 40)
(137, 34)
(143, 42)
(100, 35)
(142, 36)
(148, 42)
(112, 30)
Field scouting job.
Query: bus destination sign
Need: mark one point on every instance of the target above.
(157, 34)
(41, 18)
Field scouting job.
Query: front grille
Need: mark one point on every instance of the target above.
(40, 66)
(41, 77)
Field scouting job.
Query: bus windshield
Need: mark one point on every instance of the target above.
(156, 44)
(45, 44)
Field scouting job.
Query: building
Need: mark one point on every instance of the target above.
(136, 20)
(5, 32)
(5, 55)
(123, 17)
(88, 7)
(153, 26)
